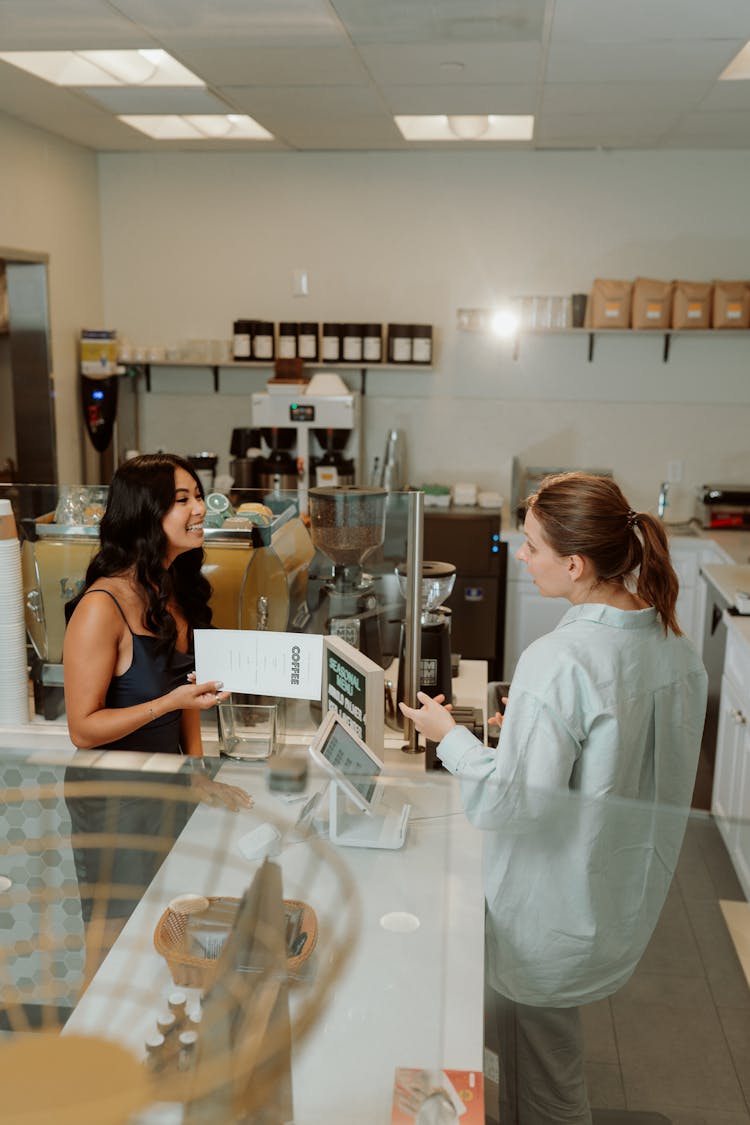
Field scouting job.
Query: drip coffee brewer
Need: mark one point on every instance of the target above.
(332, 467)
(435, 651)
(347, 524)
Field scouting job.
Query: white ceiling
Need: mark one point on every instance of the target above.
(330, 74)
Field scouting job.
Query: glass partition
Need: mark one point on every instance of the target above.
(135, 878)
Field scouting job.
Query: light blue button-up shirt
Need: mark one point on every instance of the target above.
(584, 801)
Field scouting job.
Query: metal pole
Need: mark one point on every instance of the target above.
(413, 620)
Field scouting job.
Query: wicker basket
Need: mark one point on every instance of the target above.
(189, 971)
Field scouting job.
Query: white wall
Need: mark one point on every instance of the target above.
(190, 242)
(49, 204)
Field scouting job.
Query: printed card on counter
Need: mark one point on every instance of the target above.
(260, 663)
(416, 1092)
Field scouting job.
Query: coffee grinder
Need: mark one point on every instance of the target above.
(347, 524)
(435, 652)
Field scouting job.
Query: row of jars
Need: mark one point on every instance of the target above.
(332, 342)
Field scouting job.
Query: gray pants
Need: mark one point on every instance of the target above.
(540, 1052)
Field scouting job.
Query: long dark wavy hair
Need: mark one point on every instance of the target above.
(587, 515)
(131, 535)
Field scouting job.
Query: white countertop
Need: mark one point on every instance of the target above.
(404, 998)
(728, 579)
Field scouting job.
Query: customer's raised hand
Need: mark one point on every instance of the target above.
(432, 719)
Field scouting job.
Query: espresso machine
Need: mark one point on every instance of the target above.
(346, 525)
(312, 438)
(435, 652)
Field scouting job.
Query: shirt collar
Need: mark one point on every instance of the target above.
(609, 615)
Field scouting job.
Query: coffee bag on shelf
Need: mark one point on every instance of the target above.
(609, 304)
(652, 303)
(731, 304)
(691, 304)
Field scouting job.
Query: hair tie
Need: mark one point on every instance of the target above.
(632, 518)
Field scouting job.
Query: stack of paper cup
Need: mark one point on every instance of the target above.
(14, 697)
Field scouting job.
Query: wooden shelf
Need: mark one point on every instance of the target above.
(145, 368)
(592, 333)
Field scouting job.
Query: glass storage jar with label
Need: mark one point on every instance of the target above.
(263, 340)
(288, 339)
(331, 350)
(242, 346)
(399, 343)
(307, 341)
(421, 343)
(372, 343)
(351, 343)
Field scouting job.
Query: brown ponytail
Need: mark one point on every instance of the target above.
(588, 515)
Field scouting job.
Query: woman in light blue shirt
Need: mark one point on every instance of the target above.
(586, 797)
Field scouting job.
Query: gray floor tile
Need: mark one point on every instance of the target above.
(599, 1033)
(673, 948)
(685, 1116)
(736, 1024)
(647, 990)
(721, 964)
(604, 1084)
(674, 1056)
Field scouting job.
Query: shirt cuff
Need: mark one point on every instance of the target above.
(457, 743)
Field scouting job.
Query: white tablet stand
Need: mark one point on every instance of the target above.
(350, 826)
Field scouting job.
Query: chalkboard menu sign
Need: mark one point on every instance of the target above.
(354, 687)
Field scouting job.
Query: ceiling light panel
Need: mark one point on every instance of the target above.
(144, 67)
(197, 127)
(439, 127)
(739, 67)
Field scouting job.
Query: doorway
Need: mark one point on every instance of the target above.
(27, 410)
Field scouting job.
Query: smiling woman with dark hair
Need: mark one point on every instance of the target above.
(129, 685)
(128, 646)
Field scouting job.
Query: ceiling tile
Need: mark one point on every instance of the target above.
(318, 117)
(595, 128)
(425, 64)
(276, 66)
(621, 97)
(58, 25)
(592, 21)
(642, 62)
(732, 126)
(152, 100)
(444, 21)
(233, 23)
(516, 98)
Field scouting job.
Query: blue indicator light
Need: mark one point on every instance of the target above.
(495, 550)
(496, 538)
(97, 394)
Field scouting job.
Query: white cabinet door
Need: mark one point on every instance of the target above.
(730, 800)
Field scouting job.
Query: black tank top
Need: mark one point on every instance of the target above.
(151, 674)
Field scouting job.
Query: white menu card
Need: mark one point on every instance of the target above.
(261, 663)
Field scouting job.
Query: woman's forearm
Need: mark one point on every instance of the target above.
(110, 723)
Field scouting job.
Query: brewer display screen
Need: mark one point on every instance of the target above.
(345, 755)
(301, 412)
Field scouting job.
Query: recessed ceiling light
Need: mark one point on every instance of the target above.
(474, 127)
(197, 126)
(144, 67)
(738, 68)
